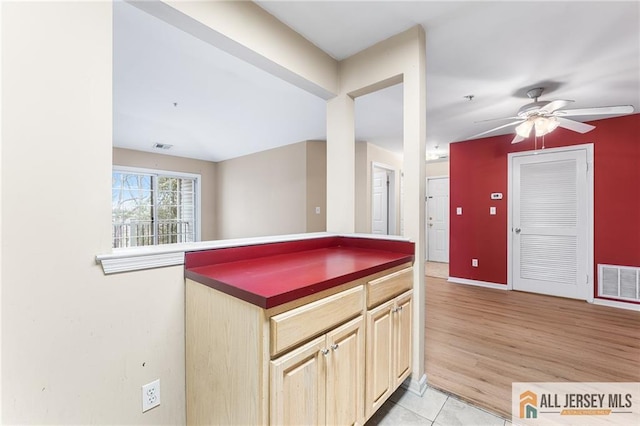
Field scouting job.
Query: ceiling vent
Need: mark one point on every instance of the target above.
(162, 146)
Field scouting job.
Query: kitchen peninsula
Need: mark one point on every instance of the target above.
(316, 331)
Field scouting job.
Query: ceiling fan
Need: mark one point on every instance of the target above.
(543, 117)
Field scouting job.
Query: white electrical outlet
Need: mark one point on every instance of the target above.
(474, 263)
(150, 395)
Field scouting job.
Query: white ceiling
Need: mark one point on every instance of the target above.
(496, 51)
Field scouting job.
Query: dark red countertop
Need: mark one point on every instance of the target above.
(269, 275)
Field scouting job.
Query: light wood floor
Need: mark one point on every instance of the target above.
(480, 340)
(436, 269)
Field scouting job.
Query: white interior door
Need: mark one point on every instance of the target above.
(549, 223)
(438, 219)
(380, 202)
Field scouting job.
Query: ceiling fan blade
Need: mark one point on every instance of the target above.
(517, 139)
(554, 105)
(619, 109)
(497, 119)
(513, 123)
(576, 126)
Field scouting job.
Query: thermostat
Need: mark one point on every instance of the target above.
(496, 196)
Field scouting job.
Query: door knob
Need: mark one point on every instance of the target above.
(431, 224)
(517, 230)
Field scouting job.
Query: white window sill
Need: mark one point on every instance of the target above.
(149, 257)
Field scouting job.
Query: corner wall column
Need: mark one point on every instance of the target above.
(341, 153)
(414, 100)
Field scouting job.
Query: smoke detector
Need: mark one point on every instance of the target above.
(162, 146)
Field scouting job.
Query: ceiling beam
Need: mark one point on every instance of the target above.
(248, 32)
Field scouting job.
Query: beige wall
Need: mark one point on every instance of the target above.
(362, 186)
(316, 186)
(206, 170)
(76, 345)
(401, 58)
(366, 155)
(437, 168)
(266, 193)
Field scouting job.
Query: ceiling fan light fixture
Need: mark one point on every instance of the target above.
(524, 129)
(546, 116)
(544, 125)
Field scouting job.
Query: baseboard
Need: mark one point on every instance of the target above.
(477, 283)
(417, 387)
(617, 304)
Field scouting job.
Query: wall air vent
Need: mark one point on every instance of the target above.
(162, 146)
(619, 282)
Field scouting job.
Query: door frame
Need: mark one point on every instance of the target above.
(588, 147)
(426, 216)
(392, 216)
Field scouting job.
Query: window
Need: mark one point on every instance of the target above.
(151, 207)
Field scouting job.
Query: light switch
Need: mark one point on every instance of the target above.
(317, 210)
(492, 210)
(459, 211)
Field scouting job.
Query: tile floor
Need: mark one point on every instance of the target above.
(434, 408)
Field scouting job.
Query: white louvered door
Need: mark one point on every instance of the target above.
(550, 224)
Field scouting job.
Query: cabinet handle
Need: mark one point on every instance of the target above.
(335, 346)
(397, 309)
(325, 352)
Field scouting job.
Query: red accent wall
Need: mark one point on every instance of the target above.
(479, 167)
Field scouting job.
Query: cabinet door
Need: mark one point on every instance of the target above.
(345, 374)
(402, 336)
(298, 386)
(379, 356)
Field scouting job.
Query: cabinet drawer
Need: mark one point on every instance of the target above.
(294, 326)
(384, 288)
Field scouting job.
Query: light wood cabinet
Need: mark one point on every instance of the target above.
(402, 337)
(379, 356)
(345, 374)
(325, 359)
(321, 382)
(294, 326)
(298, 386)
(388, 354)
